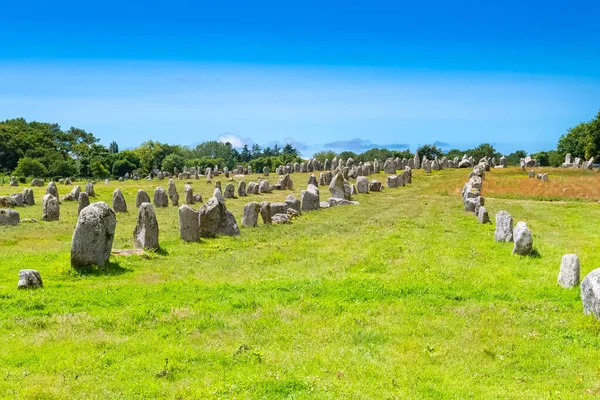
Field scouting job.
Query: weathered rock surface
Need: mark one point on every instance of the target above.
(189, 229)
(590, 293)
(118, 201)
(504, 227)
(523, 239)
(250, 214)
(160, 198)
(50, 208)
(145, 233)
(29, 279)
(9, 217)
(93, 236)
(568, 276)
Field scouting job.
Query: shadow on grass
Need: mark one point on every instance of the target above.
(535, 254)
(110, 269)
(161, 251)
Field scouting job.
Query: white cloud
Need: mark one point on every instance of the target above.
(235, 140)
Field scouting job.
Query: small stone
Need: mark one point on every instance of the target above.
(160, 198)
(504, 227)
(482, 216)
(118, 201)
(141, 197)
(50, 208)
(29, 279)
(9, 217)
(84, 201)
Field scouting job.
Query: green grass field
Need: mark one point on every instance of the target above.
(403, 296)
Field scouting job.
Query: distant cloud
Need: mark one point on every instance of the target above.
(288, 140)
(360, 144)
(236, 141)
(441, 144)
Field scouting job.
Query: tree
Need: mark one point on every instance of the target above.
(515, 157)
(344, 155)
(245, 155)
(325, 155)
(98, 169)
(582, 140)
(30, 167)
(452, 154)
(123, 166)
(483, 150)
(173, 161)
(430, 151)
(113, 147)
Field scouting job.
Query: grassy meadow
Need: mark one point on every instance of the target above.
(403, 296)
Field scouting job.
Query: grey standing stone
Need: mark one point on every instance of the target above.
(287, 183)
(29, 279)
(28, 197)
(141, 197)
(482, 216)
(37, 182)
(265, 212)
(13, 181)
(217, 194)
(189, 229)
(145, 233)
(210, 217)
(229, 191)
(172, 191)
(590, 293)
(160, 198)
(228, 225)
(375, 186)
(9, 217)
(118, 201)
(250, 214)
(242, 189)
(523, 239)
(50, 208)
(362, 185)
(89, 189)
(312, 180)
(266, 171)
(292, 202)
(84, 201)
(18, 199)
(52, 189)
(337, 189)
(264, 186)
(188, 194)
(341, 202)
(504, 227)
(568, 276)
(93, 236)
(310, 198)
(391, 181)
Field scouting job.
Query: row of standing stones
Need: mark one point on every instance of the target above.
(569, 273)
(94, 233)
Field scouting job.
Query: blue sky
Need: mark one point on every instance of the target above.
(339, 75)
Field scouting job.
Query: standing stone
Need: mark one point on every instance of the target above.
(118, 201)
(74, 194)
(89, 189)
(523, 239)
(292, 202)
(228, 225)
(188, 194)
(266, 171)
(52, 189)
(84, 201)
(50, 208)
(13, 181)
(93, 236)
(362, 185)
(286, 183)
(141, 197)
(375, 186)
(210, 217)
(172, 191)
(482, 216)
(217, 194)
(9, 217)
(160, 198)
(242, 189)
(264, 187)
(29, 279)
(250, 214)
(28, 197)
(568, 276)
(391, 181)
(504, 227)
(189, 229)
(310, 198)
(265, 212)
(252, 188)
(337, 189)
(37, 182)
(312, 180)
(145, 233)
(229, 191)
(590, 293)
(18, 199)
